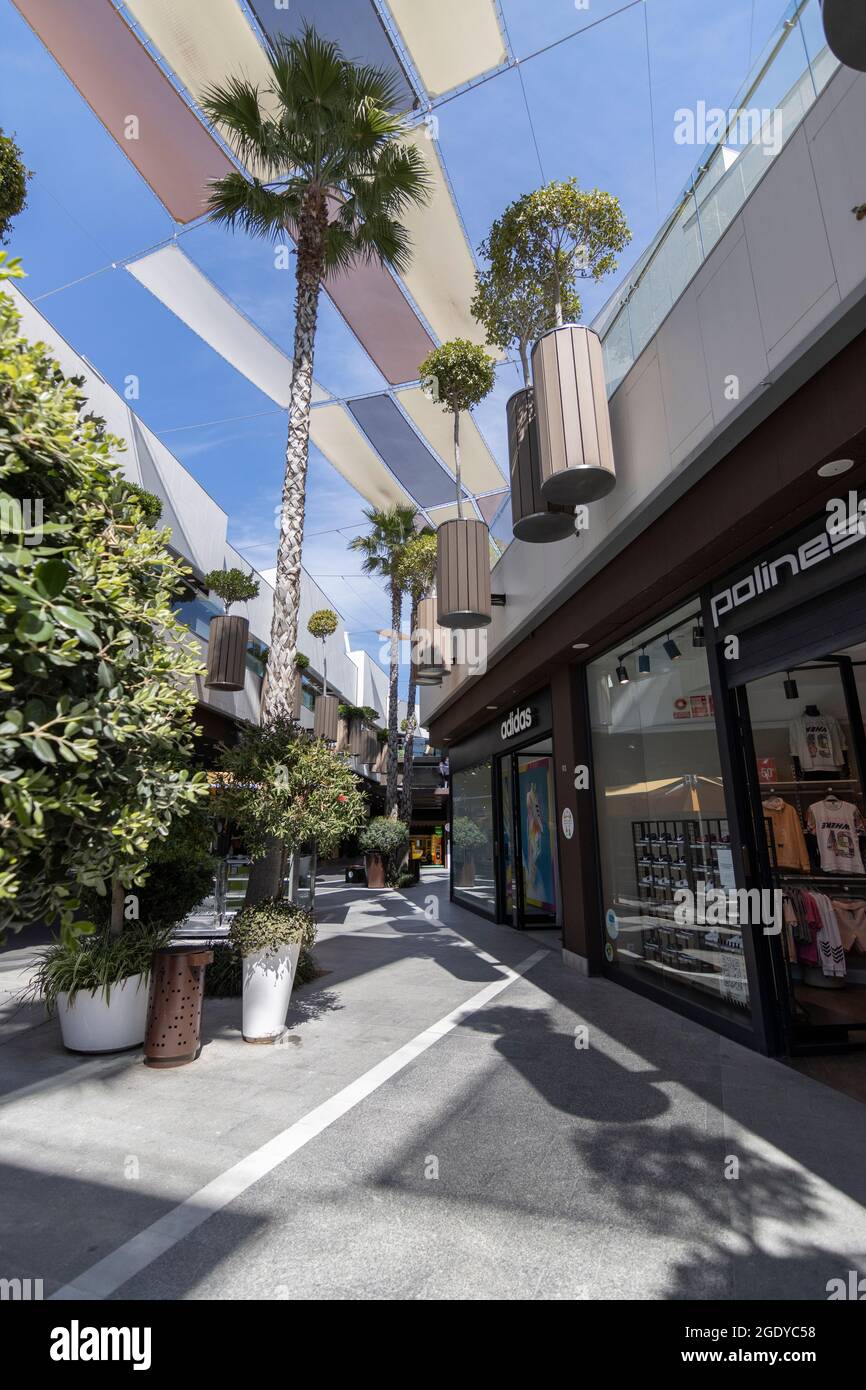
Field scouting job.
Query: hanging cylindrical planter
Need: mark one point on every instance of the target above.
(431, 645)
(575, 448)
(326, 717)
(357, 738)
(533, 519)
(227, 653)
(463, 573)
(845, 28)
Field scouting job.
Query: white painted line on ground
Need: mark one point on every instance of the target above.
(108, 1274)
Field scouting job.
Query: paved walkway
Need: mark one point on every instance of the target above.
(430, 1130)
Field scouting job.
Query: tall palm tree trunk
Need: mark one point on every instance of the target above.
(391, 798)
(281, 673)
(409, 751)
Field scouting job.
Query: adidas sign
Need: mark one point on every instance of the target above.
(517, 721)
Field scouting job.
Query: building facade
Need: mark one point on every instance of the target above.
(663, 752)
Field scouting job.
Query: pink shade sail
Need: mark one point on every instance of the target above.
(489, 505)
(133, 98)
(382, 319)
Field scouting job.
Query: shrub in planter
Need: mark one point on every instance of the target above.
(269, 936)
(383, 842)
(467, 837)
(224, 978)
(98, 985)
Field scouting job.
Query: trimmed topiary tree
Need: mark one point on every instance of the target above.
(323, 624)
(232, 586)
(96, 673)
(458, 375)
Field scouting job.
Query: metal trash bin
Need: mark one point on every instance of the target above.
(174, 1018)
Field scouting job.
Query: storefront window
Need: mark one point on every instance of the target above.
(472, 836)
(664, 840)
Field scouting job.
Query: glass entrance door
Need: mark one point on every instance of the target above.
(529, 883)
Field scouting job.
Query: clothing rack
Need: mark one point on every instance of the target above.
(843, 881)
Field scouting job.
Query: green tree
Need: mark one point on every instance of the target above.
(458, 375)
(512, 306)
(13, 183)
(550, 238)
(382, 547)
(331, 170)
(288, 789)
(323, 624)
(416, 574)
(232, 586)
(96, 673)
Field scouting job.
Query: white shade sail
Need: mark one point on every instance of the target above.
(450, 42)
(179, 284)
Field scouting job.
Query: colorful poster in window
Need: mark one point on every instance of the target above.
(536, 833)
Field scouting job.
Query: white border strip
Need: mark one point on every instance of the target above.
(108, 1274)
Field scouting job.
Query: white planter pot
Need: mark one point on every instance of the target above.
(268, 980)
(90, 1023)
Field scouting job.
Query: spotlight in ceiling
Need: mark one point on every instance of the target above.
(671, 648)
(491, 707)
(622, 672)
(643, 662)
(835, 467)
(698, 634)
(579, 646)
(791, 691)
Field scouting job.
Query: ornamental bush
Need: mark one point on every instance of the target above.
(96, 673)
(232, 586)
(323, 623)
(467, 835)
(267, 926)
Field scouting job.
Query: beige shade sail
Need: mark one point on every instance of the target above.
(205, 42)
(441, 278)
(133, 98)
(451, 41)
(477, 466)
(335, 433)
(179, 284)
(450, 513)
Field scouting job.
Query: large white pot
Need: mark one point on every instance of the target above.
(90, 1023)
(268, 980)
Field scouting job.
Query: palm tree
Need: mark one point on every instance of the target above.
(329, 168)
(416, 572)
(382, 548)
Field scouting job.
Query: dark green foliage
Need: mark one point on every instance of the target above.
(94, 963)
(96, 689)
(232, 586)
(150, 504)
(13, 183)
(267, 926)
(180, 873)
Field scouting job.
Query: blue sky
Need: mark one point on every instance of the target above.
(602, 108)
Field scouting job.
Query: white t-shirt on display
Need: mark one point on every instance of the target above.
(818, 742)
(837, 825)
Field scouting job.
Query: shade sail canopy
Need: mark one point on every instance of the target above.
(335, 433)
(382, 319)
(478, 469)
(450, 513)
(441, 278)
(406, 455)
(489, 505)
(179, 284)
(203, 41)
(450, 42)
(353, 24)
(133, 98)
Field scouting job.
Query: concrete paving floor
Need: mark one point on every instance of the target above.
(490, 1158)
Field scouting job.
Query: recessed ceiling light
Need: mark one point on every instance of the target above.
(835, 467)
(579, 646)
(491, 707)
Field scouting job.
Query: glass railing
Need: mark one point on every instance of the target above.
(784, 83)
